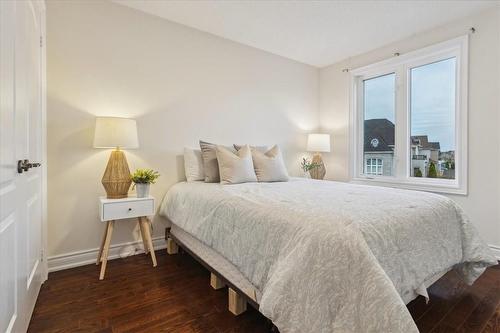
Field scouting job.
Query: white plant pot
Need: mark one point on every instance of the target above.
(142, 190)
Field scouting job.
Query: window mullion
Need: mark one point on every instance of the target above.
(402, 121)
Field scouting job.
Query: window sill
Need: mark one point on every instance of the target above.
(428, 186)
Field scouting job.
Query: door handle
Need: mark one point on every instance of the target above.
(25, 165)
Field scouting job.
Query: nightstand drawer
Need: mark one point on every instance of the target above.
(127, 209)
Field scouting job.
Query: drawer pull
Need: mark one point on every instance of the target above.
(130, 209)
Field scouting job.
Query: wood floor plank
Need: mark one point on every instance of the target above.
(176, 297)
(493, 325)
(478, 318)
(444, 294)
(471, 298)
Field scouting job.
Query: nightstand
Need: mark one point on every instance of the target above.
(112, 210)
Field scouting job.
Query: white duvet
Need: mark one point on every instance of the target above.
(330, 256)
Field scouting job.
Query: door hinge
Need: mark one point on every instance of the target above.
(41, 41)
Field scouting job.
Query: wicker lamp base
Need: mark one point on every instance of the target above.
(116, 179)
(320, 171)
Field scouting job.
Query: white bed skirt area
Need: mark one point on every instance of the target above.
(327, 256)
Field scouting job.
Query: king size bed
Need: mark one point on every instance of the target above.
(320, 256)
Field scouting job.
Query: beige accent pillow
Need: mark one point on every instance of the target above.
(235, 168)
(269, 165)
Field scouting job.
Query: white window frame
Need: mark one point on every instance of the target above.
(401, 66)
(376, 166)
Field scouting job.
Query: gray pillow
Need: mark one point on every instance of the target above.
(235, 168)
(259, 148)
(210, 165)
(269, 165)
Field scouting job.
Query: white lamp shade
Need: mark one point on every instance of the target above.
(318, 143)
(112, 132)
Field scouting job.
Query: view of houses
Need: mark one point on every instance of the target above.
(427, 159)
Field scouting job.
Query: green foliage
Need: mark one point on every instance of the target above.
(307, 166)
(432, 171)
(418, 172)
(144, 176)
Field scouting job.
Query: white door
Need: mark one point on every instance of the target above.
(22, 268)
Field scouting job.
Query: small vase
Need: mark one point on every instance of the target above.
(142, 190)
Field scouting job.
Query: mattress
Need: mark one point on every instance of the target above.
(330, 256)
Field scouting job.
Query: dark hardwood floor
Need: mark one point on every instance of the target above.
(176, 297)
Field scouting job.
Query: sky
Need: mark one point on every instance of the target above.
(432, 101)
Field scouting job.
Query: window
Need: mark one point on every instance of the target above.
(432, 119)
(374, 166)
(378, 121)
(409, 120)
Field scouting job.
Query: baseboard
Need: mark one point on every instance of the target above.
(496, 251)
(85, 257)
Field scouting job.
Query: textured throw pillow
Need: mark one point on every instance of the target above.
(269, 165)
(193, 165)
(235, 168)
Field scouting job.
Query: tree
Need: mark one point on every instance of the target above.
(418, 172)
(432, 171)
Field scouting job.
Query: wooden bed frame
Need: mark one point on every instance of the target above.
(237, 298)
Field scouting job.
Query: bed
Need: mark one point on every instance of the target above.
(326, 256)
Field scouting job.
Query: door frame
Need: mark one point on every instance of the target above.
(43, 108)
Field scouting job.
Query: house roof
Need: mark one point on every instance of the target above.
(424, 143)
(379, 135)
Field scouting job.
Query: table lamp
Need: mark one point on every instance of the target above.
(318, 143)
(118, 133)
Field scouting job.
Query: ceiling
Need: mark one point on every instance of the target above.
(317, 33)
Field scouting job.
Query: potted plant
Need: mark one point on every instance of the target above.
(142, 179)
(307, 166)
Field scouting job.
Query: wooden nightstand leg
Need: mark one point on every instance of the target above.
(147, 231)
(99, 256)
(143, 236)
(109, 232)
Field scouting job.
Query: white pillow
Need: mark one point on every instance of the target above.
(235, 168)
(269, 165)
(193, 165)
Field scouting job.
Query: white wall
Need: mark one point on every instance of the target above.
(483, 201)
(179, 83)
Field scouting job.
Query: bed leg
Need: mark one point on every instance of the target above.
(172, 247)
(237, 304)
(216, 282)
